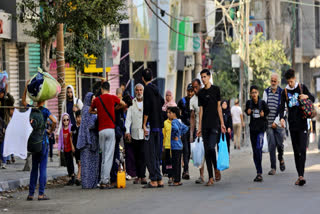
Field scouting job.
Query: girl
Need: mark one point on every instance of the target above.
(227, 121)
(167, 162)
(258, 111)
(65, 145)
(178, 129)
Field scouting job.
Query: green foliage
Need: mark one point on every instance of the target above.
(83, 20)
(225, 77)
(266, 56)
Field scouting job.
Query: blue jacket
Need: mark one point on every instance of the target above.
(177, 130)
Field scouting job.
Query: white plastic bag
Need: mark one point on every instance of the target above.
(197, 151)
(265, 148)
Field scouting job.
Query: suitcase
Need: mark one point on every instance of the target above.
(121, 179)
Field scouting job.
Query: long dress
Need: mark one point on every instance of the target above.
(89, 147)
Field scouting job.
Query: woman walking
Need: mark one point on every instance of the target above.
(258, 111)
(88, 145)
(227, 121)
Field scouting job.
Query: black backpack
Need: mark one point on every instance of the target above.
(38, 124)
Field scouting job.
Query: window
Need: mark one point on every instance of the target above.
(317, 23)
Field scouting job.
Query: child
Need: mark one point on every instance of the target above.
(66, 146)
(258, 110)
(75, 132)
(178, 129)
(39, 160)
(51, 137)
(167, 148)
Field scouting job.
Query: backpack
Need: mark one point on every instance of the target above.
(306, 105)
(36, 138)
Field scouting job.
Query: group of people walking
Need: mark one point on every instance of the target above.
(154, 131)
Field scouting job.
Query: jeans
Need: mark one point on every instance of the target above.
(69, 162)
(275, 141)
(138, 150)
(152, 155)
(168, 162)
(210, 140)
(299, 140)
(176, 165)
(107, 143)
(186, 151)
(39, 163)
(4, 159)
(257, 153)
(116, 162)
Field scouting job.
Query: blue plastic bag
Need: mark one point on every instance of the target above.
(197, 150)
(223, 154)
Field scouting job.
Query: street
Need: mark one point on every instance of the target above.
(235, 193)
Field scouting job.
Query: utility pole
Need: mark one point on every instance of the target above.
(293, 36)
(60, 65)
(241, 53)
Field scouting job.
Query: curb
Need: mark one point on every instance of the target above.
(14, 184)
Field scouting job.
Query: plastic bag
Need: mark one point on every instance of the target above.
(43, 86)
(265, 148)
(197, 151)
(223, 154)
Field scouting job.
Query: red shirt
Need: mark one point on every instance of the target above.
(103, 119)
(66, 141)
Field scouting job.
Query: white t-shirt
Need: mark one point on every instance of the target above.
(195, 107)
(235, 113)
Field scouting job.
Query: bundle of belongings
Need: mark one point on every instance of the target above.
(43, 86)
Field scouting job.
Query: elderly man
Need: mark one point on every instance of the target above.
(135, 134)
(275, 134)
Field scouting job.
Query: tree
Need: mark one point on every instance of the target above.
(266, 56)
(83, 19)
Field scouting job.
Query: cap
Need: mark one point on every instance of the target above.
(189, 88)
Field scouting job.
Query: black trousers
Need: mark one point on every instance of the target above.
(299, 140)
(176, 165)
(168, 162)
(186, 151)
(69, 162)
(50, 150)
(152, 155)
(138, 150)
(210, 139)
(116, 162)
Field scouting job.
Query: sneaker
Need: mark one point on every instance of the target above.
(200, 181)
(3, 166)
(128, 177)
(272, 172)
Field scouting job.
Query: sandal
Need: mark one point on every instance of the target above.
(136, 181)
(209, 183)
(302, 182)
(272, 172)
(297, 182)
(217, 175)
(258, 178)
(30, 198)
(282, 166)
(176, 184)
(43, 198)
(199, 181)
(160, 184)
(144, 181)
(149, 186)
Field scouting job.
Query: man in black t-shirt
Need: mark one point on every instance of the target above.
(210, 118)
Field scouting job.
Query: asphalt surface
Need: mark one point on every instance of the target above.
(235, 193)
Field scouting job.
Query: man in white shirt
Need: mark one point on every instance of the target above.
(135, 133)
(194, 121)
(237, 123)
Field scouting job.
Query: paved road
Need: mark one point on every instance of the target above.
(236, 193)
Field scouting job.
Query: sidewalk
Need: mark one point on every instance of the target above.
(13, 177)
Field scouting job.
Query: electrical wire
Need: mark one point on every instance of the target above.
(172, 29)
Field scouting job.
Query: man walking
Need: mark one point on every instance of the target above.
(136, 138)
(209, 116)
(104, 106)
(237, 123)
(194, 122)
(152, 125)
(275, 134)
(184, 106)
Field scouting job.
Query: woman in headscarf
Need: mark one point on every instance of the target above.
(88, 145)
(227, 120)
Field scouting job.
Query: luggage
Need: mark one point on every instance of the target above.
(43, 86)
(121, 179)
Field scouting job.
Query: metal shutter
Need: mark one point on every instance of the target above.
(34, 58)
(12, 67)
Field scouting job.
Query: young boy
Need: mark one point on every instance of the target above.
(75, 132)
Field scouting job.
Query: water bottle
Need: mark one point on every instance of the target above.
(147, 137)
